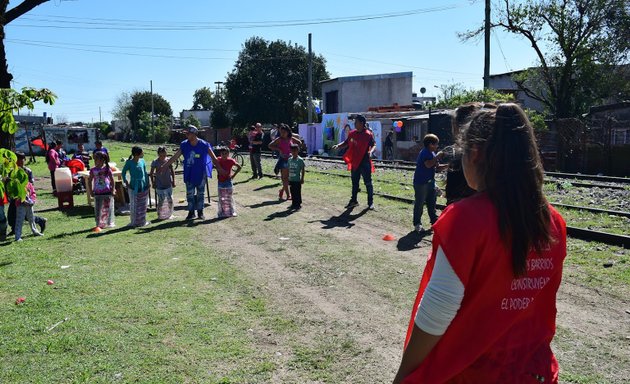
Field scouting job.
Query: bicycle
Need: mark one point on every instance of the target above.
(236, 155)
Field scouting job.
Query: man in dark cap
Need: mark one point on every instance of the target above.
(198, 160)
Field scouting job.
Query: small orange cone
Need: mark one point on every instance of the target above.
(96, 229)
(389, 237)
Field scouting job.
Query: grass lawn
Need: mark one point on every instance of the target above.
(230, 302)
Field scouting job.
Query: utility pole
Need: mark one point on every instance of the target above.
(100, 117)
(486, 62)
(310, 81)
(218, 91)
(152, 111)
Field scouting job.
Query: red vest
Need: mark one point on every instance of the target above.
(503, 329)
(358, 145)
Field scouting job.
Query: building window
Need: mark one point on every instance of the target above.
(332, 102)
(620, 136)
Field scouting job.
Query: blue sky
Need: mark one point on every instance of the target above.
(90, 51)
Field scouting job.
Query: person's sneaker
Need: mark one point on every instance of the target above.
(42, 226)
(111, 225)
(371, 207)
(352, 204)
(191, 215)
(200, 215)
(419, 228)
(37, 233)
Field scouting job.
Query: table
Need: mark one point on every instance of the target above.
(88, 186)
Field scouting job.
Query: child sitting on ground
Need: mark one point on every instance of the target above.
(102, 190)
(296, 176)
(226, 202)
(163, 180)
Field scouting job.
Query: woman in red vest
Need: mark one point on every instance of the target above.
(486, 308)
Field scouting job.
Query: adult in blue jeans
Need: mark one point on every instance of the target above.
(424, 180)
(360, 144)
(198, 160)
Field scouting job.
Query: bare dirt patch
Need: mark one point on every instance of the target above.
(348, 293)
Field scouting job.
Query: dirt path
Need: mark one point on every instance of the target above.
(347, 292)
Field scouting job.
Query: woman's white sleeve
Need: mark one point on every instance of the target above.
(442, 297)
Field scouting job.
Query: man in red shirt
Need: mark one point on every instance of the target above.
(360, 144)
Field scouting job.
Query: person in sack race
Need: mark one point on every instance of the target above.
(198, 160)
(226, 206)
(485, 311)
(360, 144)
(101, 180)
(137, 186)
(163, 181)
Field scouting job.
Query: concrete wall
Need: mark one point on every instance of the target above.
(505, 83)
(358, 93)
(202, 116)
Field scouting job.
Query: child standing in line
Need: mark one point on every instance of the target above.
(226, 202)
(102, 190)
(24, 210)
(138, 187)
(296, 176)
(163, 180)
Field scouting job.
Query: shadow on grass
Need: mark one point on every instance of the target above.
(106, 232)
(5, 263)
(276, 185)
(410, 241)
(166, 224)
(344, 220)
(243, 181)
(66, 234)
(266, 203)
(276, 215)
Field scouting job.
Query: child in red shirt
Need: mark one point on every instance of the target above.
(226, 201)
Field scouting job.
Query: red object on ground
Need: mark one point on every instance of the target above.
(96, 229)
(50, 282)
(389, 237)
(20, 300)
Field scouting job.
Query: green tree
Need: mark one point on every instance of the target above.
(221, 116)
(269, 78)
(6, 17)
(11, 101)
(581, 46)
(141, 102)
(158, 132)
(202, 99)
(460, 97)
(14, 179)
(122, 107)
(191, 120)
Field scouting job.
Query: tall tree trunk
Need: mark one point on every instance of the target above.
(6, 140)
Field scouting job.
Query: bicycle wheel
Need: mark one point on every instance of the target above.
(239, 158)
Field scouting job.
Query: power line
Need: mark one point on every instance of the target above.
(121, 46)
(122, 53)
(401, 65)
(64, 22)
(507, 65)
